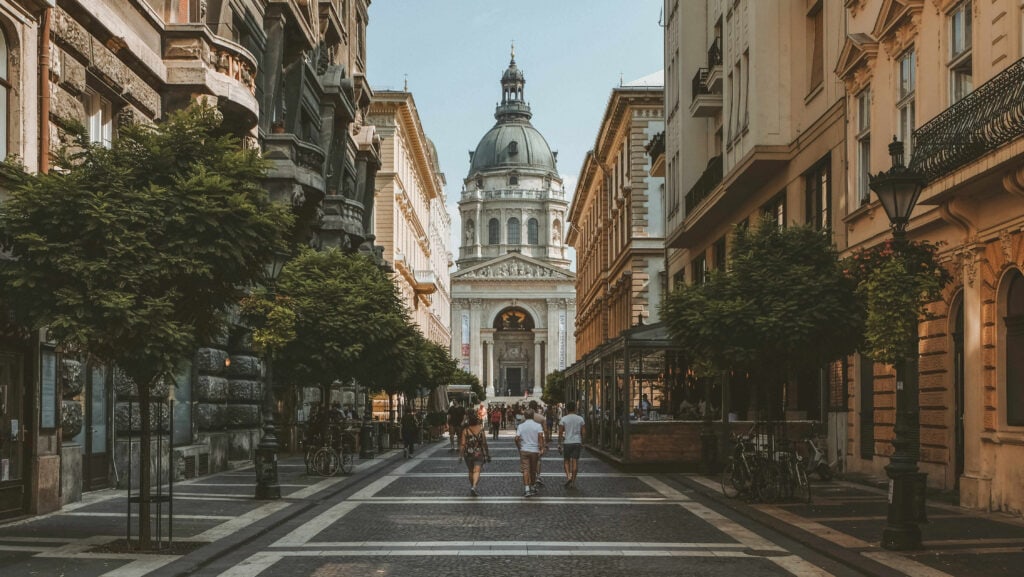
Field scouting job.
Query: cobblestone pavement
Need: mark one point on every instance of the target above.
(418, 518)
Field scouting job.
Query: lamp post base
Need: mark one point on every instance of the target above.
(906, 511)
(267, 487)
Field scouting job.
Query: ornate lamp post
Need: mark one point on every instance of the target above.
(898, 190)
(267, 486)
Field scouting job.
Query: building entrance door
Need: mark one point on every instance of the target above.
(96, 464)
(514, 380)
(12, 435)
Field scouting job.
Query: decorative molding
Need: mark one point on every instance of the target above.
(854, 6)
(1006, 244)
(1013, 181)
(897, 25)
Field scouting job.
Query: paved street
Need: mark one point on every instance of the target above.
(415, 517)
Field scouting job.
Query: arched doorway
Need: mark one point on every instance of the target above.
(513, 352)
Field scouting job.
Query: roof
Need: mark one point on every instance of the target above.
(510, 146)
(654, 79)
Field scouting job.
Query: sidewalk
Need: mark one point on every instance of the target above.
(845, 521)
(211, 512)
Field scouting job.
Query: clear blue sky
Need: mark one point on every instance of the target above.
(454, 51)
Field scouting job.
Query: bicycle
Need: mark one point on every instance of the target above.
(739, 473)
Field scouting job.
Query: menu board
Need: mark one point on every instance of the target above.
(48, 395)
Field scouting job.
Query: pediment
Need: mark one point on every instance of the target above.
(893, 15)
(857, 61)
(513, 266)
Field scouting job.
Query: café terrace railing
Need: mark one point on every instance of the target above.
(979, 123)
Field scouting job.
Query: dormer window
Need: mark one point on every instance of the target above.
(513, 148)
(547, 182)
(479, 183)
(513, 179)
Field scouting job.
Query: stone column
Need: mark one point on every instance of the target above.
(476, 357)
(976, 483)
(489, 377)
(538, 371)
(553, 309)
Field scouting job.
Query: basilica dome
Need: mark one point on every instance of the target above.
(513, 143)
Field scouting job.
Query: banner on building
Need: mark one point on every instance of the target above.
(561, 341)
(465, 340)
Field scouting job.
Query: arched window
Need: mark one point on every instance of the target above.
(1015, 350)
(493, 231)
(531, 232)
(513, 179)
(5, 90)
(515, 233)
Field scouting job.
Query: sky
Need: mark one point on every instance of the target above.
(452, 52)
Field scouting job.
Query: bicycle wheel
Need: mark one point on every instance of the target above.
(769, 485)
(347, 463)
(325, 462)
(730, 488)
(309, 452)
(802, 487)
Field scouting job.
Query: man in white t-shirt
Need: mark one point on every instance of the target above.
(571, 429)
(530, 442)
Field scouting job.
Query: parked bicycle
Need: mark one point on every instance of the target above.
(329, 447)
(765, 468)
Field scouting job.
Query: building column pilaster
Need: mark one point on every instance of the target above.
(976, 483)
(489, 378)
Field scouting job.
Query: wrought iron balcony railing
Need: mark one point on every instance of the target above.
(698, 86)
(980, 122)
(715, 53)
(707, 182)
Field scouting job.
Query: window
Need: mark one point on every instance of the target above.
(515, 232)
(816, 35)
(493, 231)
(719, 254)
(819, 197)
(679, 279)
(532, 232)
(513, 179)
(1015, 350)
(98, 117)
(905, 101)
(5, 89)
(479, 183)
(513, 148)
(776, 209)
(960, 66)
(183, 11)
(700, 269)
(864, 145)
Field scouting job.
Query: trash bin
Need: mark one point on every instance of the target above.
(367, 442)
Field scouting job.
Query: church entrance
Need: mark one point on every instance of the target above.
(514, 358)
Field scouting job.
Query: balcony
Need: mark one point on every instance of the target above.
(979, 123)
(705, 102)
(198, 59)
(713, 82)
(511, 193)
(709, 179)
(425, 282)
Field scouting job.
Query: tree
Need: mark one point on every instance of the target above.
(554, 388)
(462, 377)
(130, 256)
(350, 323)
(783, 306)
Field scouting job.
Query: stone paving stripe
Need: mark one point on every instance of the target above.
(517, 474)
(252, 566)
(35, 539)
(816, 529)
(540, 499)
(960, 542)
(315, 488)
(661, 487)
(311, 528)
(186, 495)
(238, 523)
(100, 514)
(36, 548)
(904, 564)
(507, 553)
(509, 544)
(729, 527)
(871, 517)
(253, 484)
(799, 567)
(141, 567)
(373, 488)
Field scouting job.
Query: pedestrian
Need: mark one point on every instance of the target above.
(410, 427)
(456, 414)
(530, 442)
(495, 422)
(570, 443)
(473, 450)
(645, 406)
(538, 415)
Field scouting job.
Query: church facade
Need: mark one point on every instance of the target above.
(513, 295)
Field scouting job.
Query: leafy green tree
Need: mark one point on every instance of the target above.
(554, 388)
(461, 377)
(783, 306)
(350, 323)
(130, 255)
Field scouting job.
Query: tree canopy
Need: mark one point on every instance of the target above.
(784, 304)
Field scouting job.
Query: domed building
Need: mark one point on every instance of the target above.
(513, 295)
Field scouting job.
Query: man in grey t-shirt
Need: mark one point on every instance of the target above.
(570, 443)
(530, 442)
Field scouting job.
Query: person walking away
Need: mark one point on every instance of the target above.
(538, 415)
(409, 429)
(570, 443)
(473, 450)
(495, 422)
(530, 442)
(456, 414)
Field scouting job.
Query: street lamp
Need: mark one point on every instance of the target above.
(267, 486)
(898, 190)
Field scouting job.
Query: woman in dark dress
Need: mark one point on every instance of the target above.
(473, 449)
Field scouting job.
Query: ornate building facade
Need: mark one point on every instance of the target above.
(411, 222)
(289, 77)
(513, 295)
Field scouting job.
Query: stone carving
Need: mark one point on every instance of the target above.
(514, 269)
(1006, 243)
(470, 232)
(71, 377)
(70, 419)
(298, 196)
